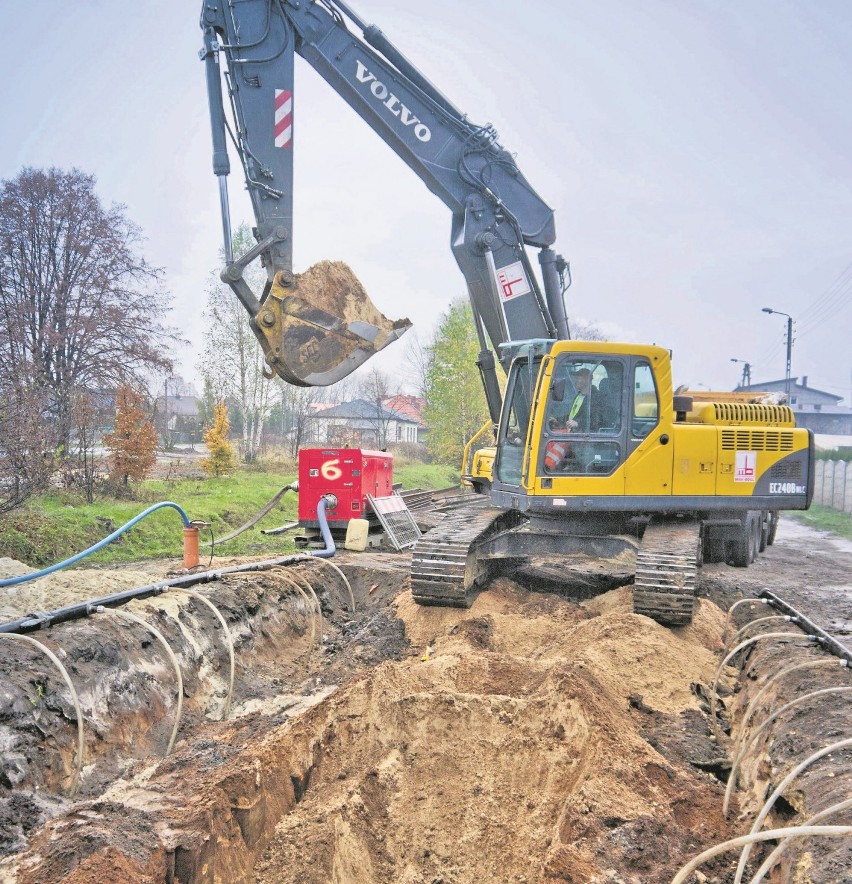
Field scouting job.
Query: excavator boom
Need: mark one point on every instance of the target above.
(316, 330)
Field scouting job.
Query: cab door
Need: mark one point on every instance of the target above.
(648, 470)
(582, 439)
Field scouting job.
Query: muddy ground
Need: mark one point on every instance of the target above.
(535, 737)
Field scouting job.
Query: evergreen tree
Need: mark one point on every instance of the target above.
(221, 459)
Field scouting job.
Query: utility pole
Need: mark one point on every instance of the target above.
(746, 381)
(789, 346)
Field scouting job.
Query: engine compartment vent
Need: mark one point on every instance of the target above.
(757, 440)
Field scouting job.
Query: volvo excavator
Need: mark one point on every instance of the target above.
(594, 451)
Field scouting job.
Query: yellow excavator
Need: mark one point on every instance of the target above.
(594, 451)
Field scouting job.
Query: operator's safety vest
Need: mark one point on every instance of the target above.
(576, 405)
(554, 454)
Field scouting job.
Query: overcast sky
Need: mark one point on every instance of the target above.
(697, 155)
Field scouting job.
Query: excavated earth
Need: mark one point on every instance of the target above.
(538, 736)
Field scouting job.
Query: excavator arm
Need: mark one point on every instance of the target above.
(316, 333)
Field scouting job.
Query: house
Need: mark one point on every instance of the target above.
(362, 424)
(814, 409)
(410, 407)
(178, 420)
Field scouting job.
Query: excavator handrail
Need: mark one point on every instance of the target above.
(466, 465)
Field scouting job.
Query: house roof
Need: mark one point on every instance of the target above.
(361, 409)
(411, 407)
(781, 385)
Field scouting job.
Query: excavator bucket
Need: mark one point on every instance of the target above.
(320, 328)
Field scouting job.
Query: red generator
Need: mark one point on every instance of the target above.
(350, 474)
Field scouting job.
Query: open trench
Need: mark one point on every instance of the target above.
(533, 737)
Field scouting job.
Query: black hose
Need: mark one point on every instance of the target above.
(829, 642)
(44, 620)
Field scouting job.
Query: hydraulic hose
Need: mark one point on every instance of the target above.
(75, 700)
(291, 581)
(829, 642)
(293, 486)
(229, 642)
(775, 856)
(737, 758)
(79, 610)
(714, 693)
(342, 575)
(741, 632)
(169, 653)
(43, 620)
(735, 606)
(13, 581)
(736, 753)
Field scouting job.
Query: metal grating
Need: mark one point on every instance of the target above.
(757, 440)
(739, 412)
(396, 519)
(788, 470)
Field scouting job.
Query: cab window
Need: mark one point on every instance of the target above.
(583, 419)
(515, 421)
(646, 404)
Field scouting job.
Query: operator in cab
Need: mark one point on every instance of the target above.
(576, 417)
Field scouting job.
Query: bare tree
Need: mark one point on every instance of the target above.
(233, 362)
(80, 308)
(297, 405)
(374, 388)
(26, 443)
(416, 359)
(586, 331)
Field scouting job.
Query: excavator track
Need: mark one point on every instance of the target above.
(666, 571)
(444, 568)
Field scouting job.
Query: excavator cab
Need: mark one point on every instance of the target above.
(574, 417)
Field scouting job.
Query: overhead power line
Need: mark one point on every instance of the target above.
(827, 305)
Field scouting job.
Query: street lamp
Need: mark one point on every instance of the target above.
(789, 345)
(746, 381)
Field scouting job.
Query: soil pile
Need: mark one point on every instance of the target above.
(507, 750)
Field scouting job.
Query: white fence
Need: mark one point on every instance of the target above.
(833, 484)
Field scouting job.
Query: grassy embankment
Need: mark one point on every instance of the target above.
(55, 526)
(827, 519)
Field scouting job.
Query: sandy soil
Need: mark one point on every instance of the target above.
(531, 738)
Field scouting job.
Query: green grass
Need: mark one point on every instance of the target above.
(827, 519)
(53, 527)
(428, 476)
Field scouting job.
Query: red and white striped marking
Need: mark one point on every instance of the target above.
(283, 118)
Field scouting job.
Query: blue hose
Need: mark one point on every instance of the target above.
(330, 548)
(12, 581)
